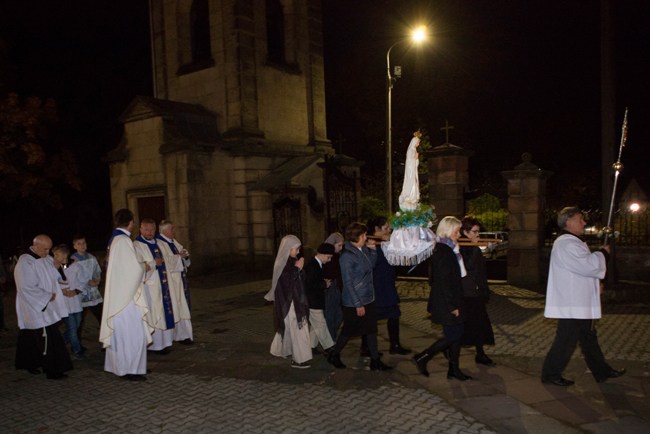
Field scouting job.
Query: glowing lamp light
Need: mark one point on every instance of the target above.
(635, 207)
(419, 34)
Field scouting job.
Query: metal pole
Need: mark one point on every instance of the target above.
(389, 134)
(389, 146)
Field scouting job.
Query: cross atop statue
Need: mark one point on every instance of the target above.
(446, 129)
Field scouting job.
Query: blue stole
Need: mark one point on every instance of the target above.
(164, 285)
(186, 288)
(116, 232)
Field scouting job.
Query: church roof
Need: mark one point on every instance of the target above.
(281, 176)
(144, 107)
(185, 126)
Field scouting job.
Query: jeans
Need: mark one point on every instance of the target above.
(72, 322)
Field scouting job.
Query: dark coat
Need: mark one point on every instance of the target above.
(384, 282)
(356, 269)
(332, 270)
(315, 285)
(446, 288)
(475, 283)
(290, 288)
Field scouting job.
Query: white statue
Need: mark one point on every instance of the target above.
(410, 196)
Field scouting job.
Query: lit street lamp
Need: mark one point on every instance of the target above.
(417, 36)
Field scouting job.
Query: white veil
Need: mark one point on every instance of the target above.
(287, 243)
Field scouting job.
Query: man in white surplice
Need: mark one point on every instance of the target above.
(177, 260)
(124, 332)
(156, 287)
(40, 344)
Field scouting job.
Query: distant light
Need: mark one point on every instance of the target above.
(634, 207)
(419, 34)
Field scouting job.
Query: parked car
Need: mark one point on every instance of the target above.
(496, 245)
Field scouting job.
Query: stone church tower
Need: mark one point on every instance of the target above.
(232, 147)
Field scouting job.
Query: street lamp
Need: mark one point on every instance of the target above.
(417, 36)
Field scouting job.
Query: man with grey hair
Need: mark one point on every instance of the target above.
(573, 297)
(177, 259)
(40, 344)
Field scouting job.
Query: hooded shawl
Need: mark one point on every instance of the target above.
(287, 243)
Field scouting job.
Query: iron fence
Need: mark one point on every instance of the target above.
(631, 228)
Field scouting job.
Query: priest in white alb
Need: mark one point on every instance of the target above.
(156, 287)
(177, 259)
(124, 332)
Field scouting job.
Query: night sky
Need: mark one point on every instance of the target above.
(510, 76)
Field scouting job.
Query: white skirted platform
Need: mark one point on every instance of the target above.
(409, 245)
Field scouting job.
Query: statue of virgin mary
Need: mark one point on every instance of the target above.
(412, 242)
(410, 196)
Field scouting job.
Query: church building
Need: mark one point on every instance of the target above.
(232, 147)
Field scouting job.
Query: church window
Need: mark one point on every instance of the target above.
(275, 37)
(200, 31)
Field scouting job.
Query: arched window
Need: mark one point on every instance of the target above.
(275, 37)
(200, 31)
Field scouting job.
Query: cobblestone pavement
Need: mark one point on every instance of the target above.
(90, 401)
(228, 382)
(520, 328)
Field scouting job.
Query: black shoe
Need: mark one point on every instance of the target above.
(187, 341)
(378, 365)
(420, 361)
(34, 371)
(458, 374)
(315, 351)
(614, 373)
(484, 360)
(398, 349)
(134, 377)
(303, 365)
(162, 352)
(559, 382)
(335, 359)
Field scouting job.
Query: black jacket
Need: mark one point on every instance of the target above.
(475, 283)
(446, 288)
(315, 285)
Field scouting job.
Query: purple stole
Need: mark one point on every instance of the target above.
(164, 284)
(186, 288)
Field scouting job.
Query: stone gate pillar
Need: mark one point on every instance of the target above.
(526, 201)
(448, 177)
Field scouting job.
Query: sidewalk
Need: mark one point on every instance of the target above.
(511, 397)
(228, 382)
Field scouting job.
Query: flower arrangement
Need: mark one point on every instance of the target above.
(422, 216)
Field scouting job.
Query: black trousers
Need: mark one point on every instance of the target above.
(34, 350)
(569, 333)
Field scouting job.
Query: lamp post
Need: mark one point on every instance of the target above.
(417, 36)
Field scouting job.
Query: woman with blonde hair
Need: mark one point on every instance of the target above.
(291, 309)
(446, 299)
